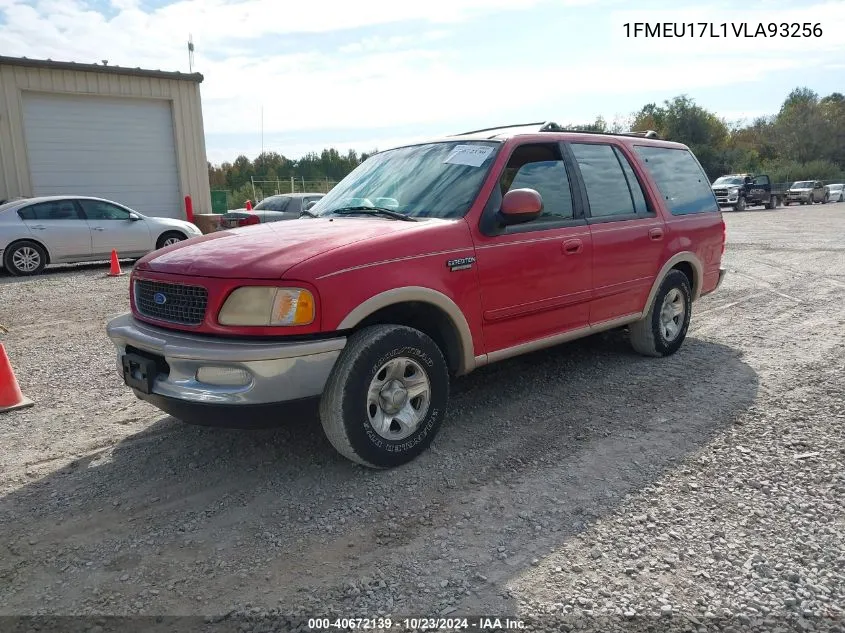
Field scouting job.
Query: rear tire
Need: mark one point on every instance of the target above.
(664, 328)
(386, 397)
(26, 258)
(170, 238)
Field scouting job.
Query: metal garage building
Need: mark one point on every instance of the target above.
(131, 135)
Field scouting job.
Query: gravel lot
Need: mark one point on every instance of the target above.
(575, 485)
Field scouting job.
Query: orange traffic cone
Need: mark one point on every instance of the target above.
(10, 393)
(115, 266)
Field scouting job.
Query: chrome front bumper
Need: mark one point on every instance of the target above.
(272, 372)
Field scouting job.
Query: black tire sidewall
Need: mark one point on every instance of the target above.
(7, 259)
(741, 204)
(169, 234)
(674, 279)
(368, 444)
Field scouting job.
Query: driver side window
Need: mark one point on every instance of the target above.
(540, 167)
(96, 210)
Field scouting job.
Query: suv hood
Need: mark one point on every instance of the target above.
(801, 189)
(267, 251)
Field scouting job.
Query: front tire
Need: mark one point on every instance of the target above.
(170, 238)
(664, 328)
(740, 204)
(25, 258)
(386, 397)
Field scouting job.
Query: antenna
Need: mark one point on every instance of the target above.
(190, 53)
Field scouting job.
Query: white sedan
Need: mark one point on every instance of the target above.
(45, 230)
(836, 192)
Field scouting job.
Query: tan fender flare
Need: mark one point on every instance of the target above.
(698, 276)
(422, 295)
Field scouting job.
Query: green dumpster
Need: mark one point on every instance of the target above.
(219, 202)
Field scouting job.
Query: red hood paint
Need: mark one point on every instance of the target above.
(266, 251)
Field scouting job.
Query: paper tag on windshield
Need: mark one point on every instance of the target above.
(471, 155)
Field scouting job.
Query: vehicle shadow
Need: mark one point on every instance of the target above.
(59, 269)
(562, 434)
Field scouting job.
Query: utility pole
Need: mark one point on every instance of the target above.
(190, 53)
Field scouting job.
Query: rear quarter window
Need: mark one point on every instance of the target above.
(680, 179)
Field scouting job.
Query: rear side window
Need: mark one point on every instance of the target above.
(681, 180)
(53, 210)
(273, 204)
(611, 190)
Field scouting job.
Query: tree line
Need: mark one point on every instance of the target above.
(805, 139)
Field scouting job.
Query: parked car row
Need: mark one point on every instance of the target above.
(738, 191)
(807, 192)
(35, 232)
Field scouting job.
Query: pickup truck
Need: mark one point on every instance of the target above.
(496, 243)
(739, 191)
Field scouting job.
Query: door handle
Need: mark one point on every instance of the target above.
(656, 234)
(38, 227)
(97, 228)
(573, 247)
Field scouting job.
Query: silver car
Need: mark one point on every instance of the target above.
(836, 192)
(35, 232)
(286, 206)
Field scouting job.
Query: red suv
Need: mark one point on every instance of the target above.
(427, 261)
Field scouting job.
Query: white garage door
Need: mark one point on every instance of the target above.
(120, 149)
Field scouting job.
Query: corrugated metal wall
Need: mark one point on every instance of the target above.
(187, 117)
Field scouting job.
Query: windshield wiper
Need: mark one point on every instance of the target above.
(380, 211)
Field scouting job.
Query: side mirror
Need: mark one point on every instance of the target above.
(521, 205)
(310, 205)
(134, 217)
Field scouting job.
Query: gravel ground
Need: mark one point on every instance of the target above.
(574, 487)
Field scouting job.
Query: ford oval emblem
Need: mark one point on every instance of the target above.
(160, 298)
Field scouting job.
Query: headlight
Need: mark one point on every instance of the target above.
(734, 190)
(266, 305)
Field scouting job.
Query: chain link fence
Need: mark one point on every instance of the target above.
(263, 188)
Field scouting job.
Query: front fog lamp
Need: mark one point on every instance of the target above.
(224, 376)
(267, 306)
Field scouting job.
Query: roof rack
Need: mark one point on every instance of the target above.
(502, 127)
(644, 133)
(551, 126)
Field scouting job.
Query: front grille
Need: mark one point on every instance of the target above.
(720, 192)
(182, 304)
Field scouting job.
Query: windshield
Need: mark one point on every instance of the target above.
(274, 203)
(728, 180)
(435, 180)
(803, 184)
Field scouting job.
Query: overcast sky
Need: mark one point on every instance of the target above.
(369, 74)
